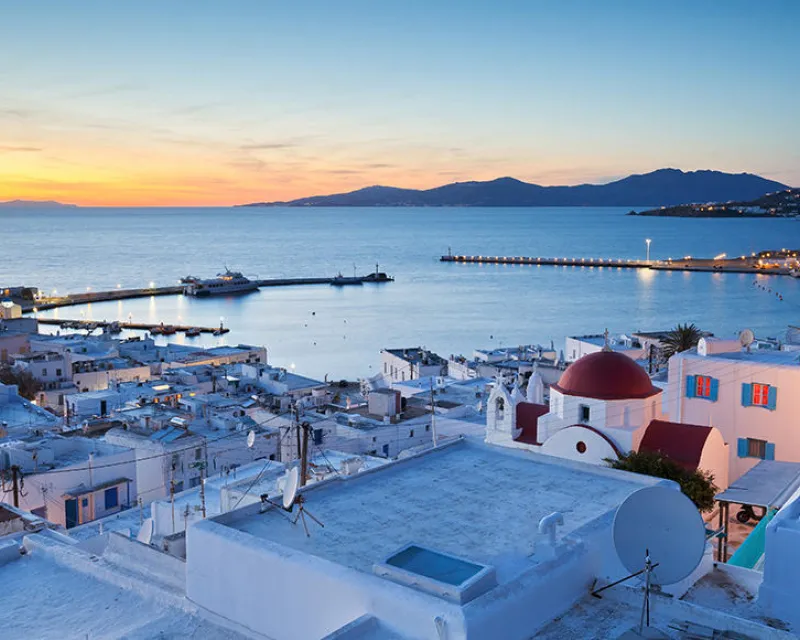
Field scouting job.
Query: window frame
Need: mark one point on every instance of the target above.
(702, 386)
(759, 394)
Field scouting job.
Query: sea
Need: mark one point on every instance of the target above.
(338, 332)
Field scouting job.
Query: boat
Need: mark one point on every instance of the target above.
(163, 330)
(192, 332)
(795, 272)
(377, 276)
(339, 280)
(114, 328)
(225, 283)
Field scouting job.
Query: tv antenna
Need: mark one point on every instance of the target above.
(292, 497)
(658, 532)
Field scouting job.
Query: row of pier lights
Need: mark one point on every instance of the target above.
(606, 261)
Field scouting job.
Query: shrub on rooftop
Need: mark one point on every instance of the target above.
(697, 485)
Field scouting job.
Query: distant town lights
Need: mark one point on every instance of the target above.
(152, 284)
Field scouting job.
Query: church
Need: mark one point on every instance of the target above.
(603, 406)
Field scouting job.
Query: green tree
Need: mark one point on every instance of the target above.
(681, 338)
(697, 485)
(27, 385)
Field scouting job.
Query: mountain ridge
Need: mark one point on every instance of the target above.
(662, 187)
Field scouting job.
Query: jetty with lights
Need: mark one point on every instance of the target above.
(772, 262)
(37, 300)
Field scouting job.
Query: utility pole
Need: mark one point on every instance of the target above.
(15, 476)
(433, 415)
(201, 464)
(172, 493)
(304, 454)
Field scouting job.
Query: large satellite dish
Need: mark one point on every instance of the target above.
(664, 524)
(251, 439)
(290, 487)
(146, 532)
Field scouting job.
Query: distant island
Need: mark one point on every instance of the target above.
(664, 187)
(780, 204)
(36, 204)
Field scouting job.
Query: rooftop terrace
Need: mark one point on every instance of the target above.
(427, 499)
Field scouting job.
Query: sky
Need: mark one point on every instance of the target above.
(214, 103)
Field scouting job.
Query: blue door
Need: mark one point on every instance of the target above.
(71, 510)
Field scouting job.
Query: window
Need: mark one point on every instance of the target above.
(580, 447)
(176, 459)
(84, 502)
(44, 372)
(198, 453)
(193, 482)
(179, 486)
(759, 395)
(385, 368)
(318, 436)
(754, 448)
(704, 387)
(411, 433)
(584, 413)
(427, 427)
(112, 497)
(58, 372)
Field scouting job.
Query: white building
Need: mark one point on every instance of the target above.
(468, 507)
(399, 365)
(604, 405)
(70, 481)
(21, 418)
(750, 396)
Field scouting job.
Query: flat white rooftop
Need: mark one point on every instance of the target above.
(49, 600)
(467, 499)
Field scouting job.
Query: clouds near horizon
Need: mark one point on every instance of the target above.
(210, 104)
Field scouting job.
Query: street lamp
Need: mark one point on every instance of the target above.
(648, 241)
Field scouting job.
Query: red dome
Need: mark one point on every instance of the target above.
(606, 375)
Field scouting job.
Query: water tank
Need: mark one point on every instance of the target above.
(710, 346)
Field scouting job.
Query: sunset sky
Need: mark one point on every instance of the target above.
(214, 103)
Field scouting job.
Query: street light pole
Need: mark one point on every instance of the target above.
(648, 241)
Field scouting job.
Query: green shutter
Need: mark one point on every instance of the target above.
(741, 447)
(747, 394)
(691, 386)
(772, 398)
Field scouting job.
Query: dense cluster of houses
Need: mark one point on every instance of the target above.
(162, 466)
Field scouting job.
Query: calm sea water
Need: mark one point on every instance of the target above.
(450, 308)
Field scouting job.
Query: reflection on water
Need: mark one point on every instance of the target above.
(451, 308)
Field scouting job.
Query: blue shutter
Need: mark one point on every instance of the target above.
(770, 454)
(741, 447)
(747, 394)
(772, 398)
(691, 386)
(714, 390)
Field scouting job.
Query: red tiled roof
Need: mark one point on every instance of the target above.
(606, 375)
(681, 443)
(528, 414)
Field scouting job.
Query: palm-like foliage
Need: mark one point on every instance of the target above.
(681, 338)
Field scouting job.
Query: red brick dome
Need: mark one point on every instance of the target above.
(606, 375)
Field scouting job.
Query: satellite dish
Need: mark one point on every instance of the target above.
(146, 532)
(665, 524)
(290, 487)
(251, 439)
(747, 337)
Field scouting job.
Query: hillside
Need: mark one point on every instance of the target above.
(664, 187)
(35, 204)
(784, 203)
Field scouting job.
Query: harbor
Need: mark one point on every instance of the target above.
(114, 327)
(227, 283)
(773, 262)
